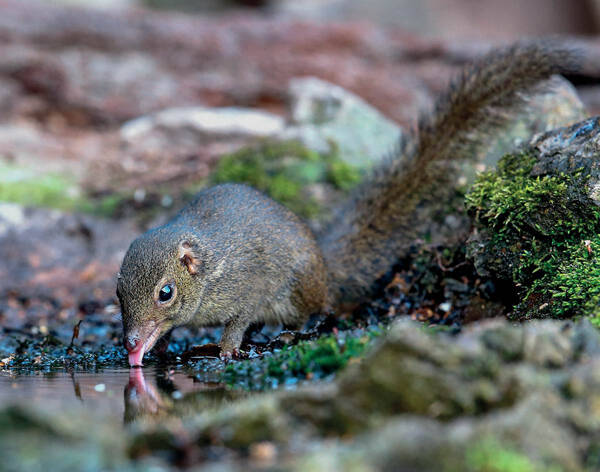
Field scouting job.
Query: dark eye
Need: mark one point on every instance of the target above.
(166, 293)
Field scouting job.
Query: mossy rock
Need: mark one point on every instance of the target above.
(464, 399)
(287, 171)
(537, 224)
(489, 454)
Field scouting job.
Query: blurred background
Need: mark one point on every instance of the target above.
(113, 113)
(431, 18)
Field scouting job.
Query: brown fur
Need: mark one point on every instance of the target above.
(237, 257)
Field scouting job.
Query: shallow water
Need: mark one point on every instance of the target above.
(119, 394)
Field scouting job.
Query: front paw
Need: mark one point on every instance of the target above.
(235, 353)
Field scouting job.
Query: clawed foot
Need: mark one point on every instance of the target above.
(229, 354)
(213, 350)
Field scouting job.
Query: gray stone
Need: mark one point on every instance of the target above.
(556, 105)
(327, 117)
(571, 150)
(197, 124)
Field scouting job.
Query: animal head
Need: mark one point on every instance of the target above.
(155, 287)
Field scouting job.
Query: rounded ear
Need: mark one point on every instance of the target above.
(188, 257)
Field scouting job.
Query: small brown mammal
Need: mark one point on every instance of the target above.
(234, 257)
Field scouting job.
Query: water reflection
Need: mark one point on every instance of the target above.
(117, 394)
(170, 393)
(142, 398)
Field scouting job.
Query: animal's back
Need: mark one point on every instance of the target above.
(265, 248)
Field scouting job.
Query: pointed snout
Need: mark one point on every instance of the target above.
(132, 342)
(139, 340)
(135, 348)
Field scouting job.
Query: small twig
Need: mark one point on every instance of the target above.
(75, 333)
(443, 268)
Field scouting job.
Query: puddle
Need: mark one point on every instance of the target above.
(118, 395)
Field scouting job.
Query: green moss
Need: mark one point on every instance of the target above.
(30, 188)
(20, 185)
(343, 175)
(489, 455)
(107, 205)
(307, 359)
(538, 226)
(576, 281)
(283, 169)
(510, 201)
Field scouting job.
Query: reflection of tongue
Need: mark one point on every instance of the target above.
(135, 358)
(137, 381)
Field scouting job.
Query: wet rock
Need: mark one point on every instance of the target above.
(329, 118)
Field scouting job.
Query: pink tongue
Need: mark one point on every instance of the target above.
(135, 358)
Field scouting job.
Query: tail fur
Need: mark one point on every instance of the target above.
(380, 221)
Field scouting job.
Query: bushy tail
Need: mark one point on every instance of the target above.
(381, 220)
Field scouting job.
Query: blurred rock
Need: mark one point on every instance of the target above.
(557, 104)
(36, 439)
(454, 18)
(74, 76)
(495, 392)
(329, 118)
(193, 126)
